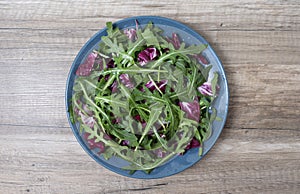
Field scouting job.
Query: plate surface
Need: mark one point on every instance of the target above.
(189, 36)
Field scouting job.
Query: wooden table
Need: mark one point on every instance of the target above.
(258, 43)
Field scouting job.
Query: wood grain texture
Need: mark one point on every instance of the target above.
(258, 43)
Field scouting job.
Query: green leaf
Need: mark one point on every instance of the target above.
(138, 78)
(109, 29)
(194, 49)
(213, 115)
(214, 83)
(136, 45)
(109, 152)
(134, 69)
(218, 119)
(192, 81)
(153, 117)
(114, 48)
(71, 113)
(150, 38)
(115, 33)
(200, 151)
(125, 135)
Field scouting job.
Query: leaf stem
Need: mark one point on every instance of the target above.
(140, 70)
(92, 102)
(91, 84)
(155, 85)
(110, 101)
(178, 94)
(108, 83)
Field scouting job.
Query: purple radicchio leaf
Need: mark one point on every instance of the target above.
(106, 77)
(131, 34)
(88, 120)
(147, 55)
(92, 144)
(125, 143)
(116, 120)
(175, 40)
(194, 143)
(159, 153)
(161, 85)
(87, 110)
(114, 87)
(76, 109)
(192, 109)
(205, 89)
(98, 63)
(138, 118)
(202, 59)
(107, 137)
(126, 81)
(85, 68)
(110, 64)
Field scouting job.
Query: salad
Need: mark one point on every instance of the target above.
(144, 97)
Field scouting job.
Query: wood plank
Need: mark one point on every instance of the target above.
(210, 15)
(266, 47)
(40, 160)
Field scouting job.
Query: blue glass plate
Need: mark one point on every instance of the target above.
(189, 36)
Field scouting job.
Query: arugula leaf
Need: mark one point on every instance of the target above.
(205, 70)
(154, 115)
(109, 30)
(114, 47)
(192, 86)
(214, 82)
(115, 33)
(194, 49)
(150, 38)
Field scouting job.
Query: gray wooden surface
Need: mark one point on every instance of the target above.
(258, 43)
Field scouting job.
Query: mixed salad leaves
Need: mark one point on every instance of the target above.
(144, 97)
